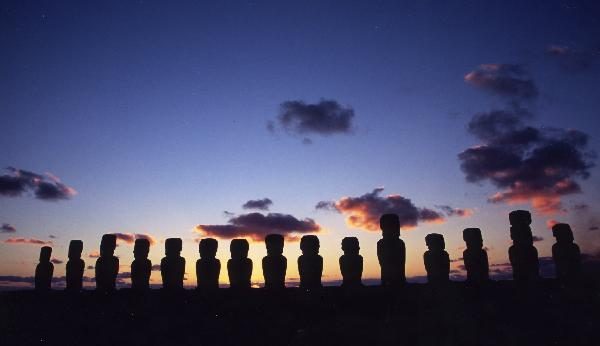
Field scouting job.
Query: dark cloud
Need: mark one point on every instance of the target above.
(45, 187)
(323, 118)
(593, 228)
(580, 207)
(130, 238)
(572, 59)
(257, 226)
(506, 80)
(7, 228)
(155, 267)
(528, 164)
(56, 261)
(364, 211)
(52, 236)
(27, 241)
(537, 238)
(450, 211)
(260, 204)
(90, 267)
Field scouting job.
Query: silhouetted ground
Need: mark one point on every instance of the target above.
(415, 315)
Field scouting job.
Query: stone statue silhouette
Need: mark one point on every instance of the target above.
(208, 267)
(522, 254)
(172, 266)
(274, 263)
(75, 266)
(475, 257)
(391, 251)
(141, 267)
(310, 263)
(566, 254)
(107, 265)
(44, 270)
(437, 260)
(351, 263)
(239, 267)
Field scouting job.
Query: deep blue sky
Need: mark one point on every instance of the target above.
(156, 113)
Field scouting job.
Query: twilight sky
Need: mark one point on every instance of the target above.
(237, 119)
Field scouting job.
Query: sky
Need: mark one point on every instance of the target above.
(238, 119)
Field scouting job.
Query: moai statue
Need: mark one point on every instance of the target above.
(208, 267)
(107, 265)
(274, 263)
(239, 267)
(475, 257)
(172, 266)
(141, 267)
(75, 266)
(437, 260)
(310, 263)
(522, 254)
(391, 251)
(351, 263)
(44, 270)
(566, 254)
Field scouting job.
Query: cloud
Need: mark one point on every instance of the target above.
(326, 117)
(129, 238)
(507, 80)
(94, 254)
(537, 238)
(460, 212)
(257, 226)
(45, 187)
(593, 228)
(528, 164)
(27, 241)
(260, 204)
(52, 236)
(155, 267)
(550, 223)
(7, 228)
(90, 267)
(56, 261)
(571, 59)
(364, 211)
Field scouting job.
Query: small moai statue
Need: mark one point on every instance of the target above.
(141, 267)
(239, 267)
(351, 263)
(437, 260)
(274, 263)
(310, 263)
(522, 254)
(208, 267)
(107, 265)
(172, 266)
(475, 257)
(44, 270)
(75, 266)
(391, 251)
(566, 254)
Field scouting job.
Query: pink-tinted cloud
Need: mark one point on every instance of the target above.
(503, 79)
(32, 241)
(56, 261)
(363, 212)
(44, 186)
(94, 254)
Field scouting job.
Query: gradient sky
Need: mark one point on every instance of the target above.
(157, 115)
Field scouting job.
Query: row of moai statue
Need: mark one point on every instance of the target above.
(391, 253)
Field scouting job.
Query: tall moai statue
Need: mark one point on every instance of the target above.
(274, 263)
(351, 263)
(75, 266)
(566, 254)
(239, 267)
(208, 267)
(107, 265)
(310, 263)
(391, 251)
(44, 270)
(437, 260)
(141, 267)
(522, 254)
(475, 257)
(172, 266)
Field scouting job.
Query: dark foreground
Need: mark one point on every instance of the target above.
(416, 315)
